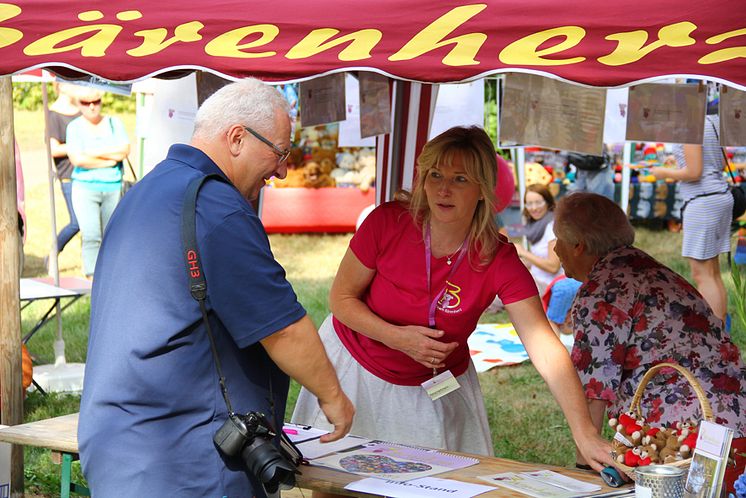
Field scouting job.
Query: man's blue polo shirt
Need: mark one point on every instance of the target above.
(151, 401)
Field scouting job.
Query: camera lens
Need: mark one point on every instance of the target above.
(268, 465)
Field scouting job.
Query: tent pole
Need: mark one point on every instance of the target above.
(54, 268)
(626, 175)
(11, 390)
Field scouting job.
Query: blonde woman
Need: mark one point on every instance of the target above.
(96, 145)
(409, 292)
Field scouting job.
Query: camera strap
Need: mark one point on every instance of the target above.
(195, 274)
(198, 290)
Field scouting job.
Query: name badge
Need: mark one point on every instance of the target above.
(440, 385)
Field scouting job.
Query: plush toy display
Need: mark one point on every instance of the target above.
(637, 443)
(356, 167)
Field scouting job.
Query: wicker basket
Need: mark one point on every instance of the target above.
(635, 407)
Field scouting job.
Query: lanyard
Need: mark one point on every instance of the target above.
(454, 267)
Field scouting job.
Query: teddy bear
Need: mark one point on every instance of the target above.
(316, 175)
(367, 171)
(318, 154)
(295, 178)
(668, 453)
(651, 452)
(655, 436)
(629, 427)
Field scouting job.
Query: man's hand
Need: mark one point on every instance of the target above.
(339, 413)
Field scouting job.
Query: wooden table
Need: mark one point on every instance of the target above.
(59, 434)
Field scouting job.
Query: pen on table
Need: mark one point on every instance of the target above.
(290, 431)
(615, 493)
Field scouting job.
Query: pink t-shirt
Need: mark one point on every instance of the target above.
(390, 243)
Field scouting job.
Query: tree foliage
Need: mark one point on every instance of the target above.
(28, 96)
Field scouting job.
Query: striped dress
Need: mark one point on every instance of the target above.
(707, 220)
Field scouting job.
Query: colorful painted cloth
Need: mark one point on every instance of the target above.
(633, 313)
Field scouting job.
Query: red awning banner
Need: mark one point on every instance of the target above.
(584, 41)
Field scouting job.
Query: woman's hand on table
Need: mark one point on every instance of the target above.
(422, 345)
(595, 451)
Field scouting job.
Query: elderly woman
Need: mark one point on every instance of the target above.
(410, 290)
(96, 146)
(632, 313)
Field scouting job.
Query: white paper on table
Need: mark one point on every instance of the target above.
(424, 487)
(315, 448)
(299, 433)
(562, 481)
(527, 485)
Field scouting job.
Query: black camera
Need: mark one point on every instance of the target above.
(250, 436)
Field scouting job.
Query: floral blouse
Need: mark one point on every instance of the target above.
(633, 313)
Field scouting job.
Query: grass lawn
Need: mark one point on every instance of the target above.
(526, 423)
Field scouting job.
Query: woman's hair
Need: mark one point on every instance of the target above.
(544, 192)
(595, 221)
(249, 102)
(479, 159)
(86, 93)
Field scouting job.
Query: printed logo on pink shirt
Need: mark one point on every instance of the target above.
(451, 300)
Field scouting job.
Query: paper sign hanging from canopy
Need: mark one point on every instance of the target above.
(549, 113)
(322, 100)
(350, 132)
(458, 105)
(673, 113)
(375, 105)
(732, 117)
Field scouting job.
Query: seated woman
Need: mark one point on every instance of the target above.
(540, 257)
(410, 289)
(632, 313)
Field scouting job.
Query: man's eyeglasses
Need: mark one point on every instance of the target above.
(282, 155)
(86, 103)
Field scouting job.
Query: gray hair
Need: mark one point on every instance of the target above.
(594, 220)
(249, 102)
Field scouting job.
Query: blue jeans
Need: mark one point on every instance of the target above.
(93, 209)
(69, 231)
(599, 182)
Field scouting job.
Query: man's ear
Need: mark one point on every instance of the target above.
(235, 136)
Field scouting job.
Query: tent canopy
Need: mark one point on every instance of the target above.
(584, 41)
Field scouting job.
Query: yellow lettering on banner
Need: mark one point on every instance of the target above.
(154, 40)
(631, 45)
(433, 36)
(102, 36)
(724, 54)
(229, 43)
(8, 36)
(361, 43)
(525, 51)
